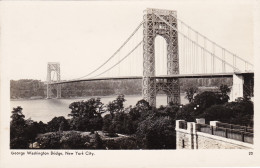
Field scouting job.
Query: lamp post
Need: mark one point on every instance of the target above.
(181, 107)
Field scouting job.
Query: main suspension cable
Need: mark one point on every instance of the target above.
(117, 51)
(212, 41)
(205, 50)
(121, 59)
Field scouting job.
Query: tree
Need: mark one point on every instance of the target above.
(243, 112)
(224, 89)
(86, 115)
(125, 123)
(32, 129)
(206, 99)
(90, 108)
(107, 122)
(188, 113)
(218, 113)
(190, 93)
(58, 124)
(116, 105)
(142, 105)
(18, 139)
(17, 118)
(157, 133)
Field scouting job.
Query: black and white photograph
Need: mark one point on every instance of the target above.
(89, 79)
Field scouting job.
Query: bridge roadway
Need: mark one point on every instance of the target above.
(213, 75)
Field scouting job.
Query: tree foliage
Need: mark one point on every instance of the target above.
(73, 140)
(86, 115)
(224, 90)
(157, 133)
(117, 105)
(18, 138)
(23, 132)
(206, 99)
(58, 124)
(190, 93)
(145, 127)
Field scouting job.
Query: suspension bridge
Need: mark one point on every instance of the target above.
(161, 50)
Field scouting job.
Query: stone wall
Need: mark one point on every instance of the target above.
(205, 141)
(183, 140)
(190, 138)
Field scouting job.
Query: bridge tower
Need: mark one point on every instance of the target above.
(154, 26)
(53, 67)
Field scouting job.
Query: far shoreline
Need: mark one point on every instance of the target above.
(85, 97)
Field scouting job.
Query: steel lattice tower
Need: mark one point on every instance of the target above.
(53, 66)
(154, 26)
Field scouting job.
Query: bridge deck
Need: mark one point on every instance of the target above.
(213, 75)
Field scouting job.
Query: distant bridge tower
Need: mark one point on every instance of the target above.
(55, 68)
(154, 26)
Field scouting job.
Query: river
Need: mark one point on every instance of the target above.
(45, 109)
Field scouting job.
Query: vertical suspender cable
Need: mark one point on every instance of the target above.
(213, 58)
(234, 61)
(202, 60)
(223, 60)
(190, 53)
(193, 63)
(186, 54)
(197, 58)
(205, 56)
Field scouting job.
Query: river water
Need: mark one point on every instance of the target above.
(45, 109)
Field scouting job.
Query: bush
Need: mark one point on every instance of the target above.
(96, 142)
(73, 140)
(121, 143)
(50, 140)
(19, 143)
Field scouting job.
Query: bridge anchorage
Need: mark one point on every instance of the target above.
(189, 54)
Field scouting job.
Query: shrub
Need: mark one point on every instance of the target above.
(121, 143)
(73, 140)
(49, 140)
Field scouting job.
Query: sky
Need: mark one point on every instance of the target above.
(83, 34)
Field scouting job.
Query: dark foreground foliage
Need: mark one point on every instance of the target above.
(137, 127)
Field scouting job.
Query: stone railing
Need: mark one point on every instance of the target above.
(235, 133)
(235, 127)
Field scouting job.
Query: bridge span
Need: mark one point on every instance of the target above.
(178, 76)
